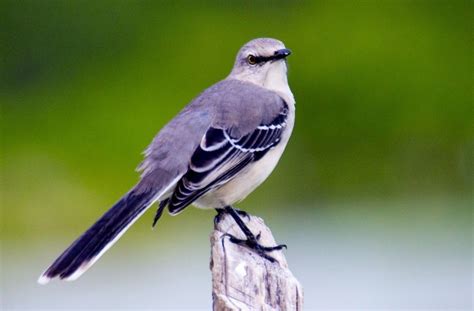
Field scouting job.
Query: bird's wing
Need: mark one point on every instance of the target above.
(222, 154)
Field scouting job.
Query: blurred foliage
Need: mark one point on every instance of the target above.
(383, 90)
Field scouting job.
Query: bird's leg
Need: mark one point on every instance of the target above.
(242, 213)
(252, 240)
(221, 212)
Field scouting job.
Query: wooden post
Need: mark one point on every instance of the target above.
(242, 280)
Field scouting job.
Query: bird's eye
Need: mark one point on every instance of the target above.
(252, 60)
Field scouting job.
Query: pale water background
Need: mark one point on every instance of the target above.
(394, 259)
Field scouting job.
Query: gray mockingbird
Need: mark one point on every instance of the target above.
(215, 152)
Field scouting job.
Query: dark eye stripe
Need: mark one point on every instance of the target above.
(263, 59)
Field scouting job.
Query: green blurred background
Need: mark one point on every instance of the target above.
(373, 195)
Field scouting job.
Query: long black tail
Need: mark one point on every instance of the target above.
(88, 248)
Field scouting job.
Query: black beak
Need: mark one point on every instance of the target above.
(280, 54)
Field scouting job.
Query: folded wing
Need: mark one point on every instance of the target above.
(220, 156)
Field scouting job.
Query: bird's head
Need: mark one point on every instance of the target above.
(263, 62)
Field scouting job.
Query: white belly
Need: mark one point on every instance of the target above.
(251, 177)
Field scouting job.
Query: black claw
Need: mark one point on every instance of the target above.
(251, 240)
(232, 238)
(255, 246)
(274, 248)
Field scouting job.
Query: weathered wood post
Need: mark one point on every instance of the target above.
(242, 280)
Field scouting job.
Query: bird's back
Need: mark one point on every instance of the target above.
(229, 104)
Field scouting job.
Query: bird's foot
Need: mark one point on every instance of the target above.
(252, 243)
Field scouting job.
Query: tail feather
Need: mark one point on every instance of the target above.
(88, 248)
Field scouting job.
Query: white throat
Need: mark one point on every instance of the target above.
(274, 79)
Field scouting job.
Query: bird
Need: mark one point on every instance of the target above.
(212, 154)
